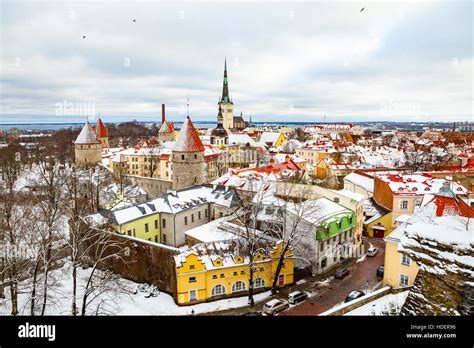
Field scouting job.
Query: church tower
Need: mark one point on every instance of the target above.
(219, 135)
(226, 103)
(87, 148)
(189, 166)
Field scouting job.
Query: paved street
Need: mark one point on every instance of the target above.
(336, 291)
(326, 295)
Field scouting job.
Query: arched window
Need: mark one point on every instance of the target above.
(218, 290)
(259, 283)
(238, 286)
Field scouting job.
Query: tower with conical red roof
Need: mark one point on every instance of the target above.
(102, 133)
(189, 166)
(87, 147)
(226, 103)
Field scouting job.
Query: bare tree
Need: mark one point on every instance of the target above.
(89, 245)
(287, 220)
(251, 207)
(48, 189)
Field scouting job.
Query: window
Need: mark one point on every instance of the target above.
(214, 276)
(336, 200)
(156, 223)
(192, 218)
(199, 215)
(322, 246)
(182, 157)
(236, 273)
(238, 286)
(406, 260)
(192, 279)
(242, 272)
(417, 203)
(218, 290)
(192, 295)
(404, 205)
(156, 239)
(164, 238)
(205, 213)
(149, 239)
(403, 280)
(185, 220)
(146, 228)
(221, 214)
(259, 283)
(195, 156)
(222, 275)
(163, 223)
(129, 232)
(324, 263)
(261, 269)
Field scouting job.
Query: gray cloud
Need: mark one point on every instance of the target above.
(286, 61)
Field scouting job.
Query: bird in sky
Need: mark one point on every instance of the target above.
(134, 21)
(362, 9)
(83, 37)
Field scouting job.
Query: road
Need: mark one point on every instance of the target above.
(329, 293)
(335, 291)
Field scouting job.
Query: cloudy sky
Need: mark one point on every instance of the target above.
(299, 61)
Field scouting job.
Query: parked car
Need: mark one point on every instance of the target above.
(372, 251)
(380, 271)
(342, 273)
(354, 295)
(297, 296)
(275, 306)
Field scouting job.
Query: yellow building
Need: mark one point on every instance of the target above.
(211, 271)
(399, 269)
(378, 226)
(138, 220)
(272, 139)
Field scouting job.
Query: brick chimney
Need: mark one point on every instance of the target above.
(163, 115)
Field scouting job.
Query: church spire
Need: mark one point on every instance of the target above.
(225, 87)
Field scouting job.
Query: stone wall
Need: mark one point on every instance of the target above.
(146, 262)
(153, 187)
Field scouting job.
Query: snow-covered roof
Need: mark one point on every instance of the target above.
(318, 210)
(419, 184)
(87, 135)
(225, 250)
(363, 181)
(165, 128)
(188, 139)
(212, 232)
(241, 139)
(269, 137)
(176, 201)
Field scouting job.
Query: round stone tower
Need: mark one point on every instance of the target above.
(87, 148)
(189, 166)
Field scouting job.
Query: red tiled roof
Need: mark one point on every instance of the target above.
(101, 130)
(188, 139)
(448, 206)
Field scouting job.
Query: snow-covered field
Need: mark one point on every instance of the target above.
(122, 304)
(382, 305)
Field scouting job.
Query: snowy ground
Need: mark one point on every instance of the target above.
(122, 304)
(382, 305)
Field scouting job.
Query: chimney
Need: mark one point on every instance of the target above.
(163, 116)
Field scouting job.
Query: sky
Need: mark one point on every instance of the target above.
(287, 61)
